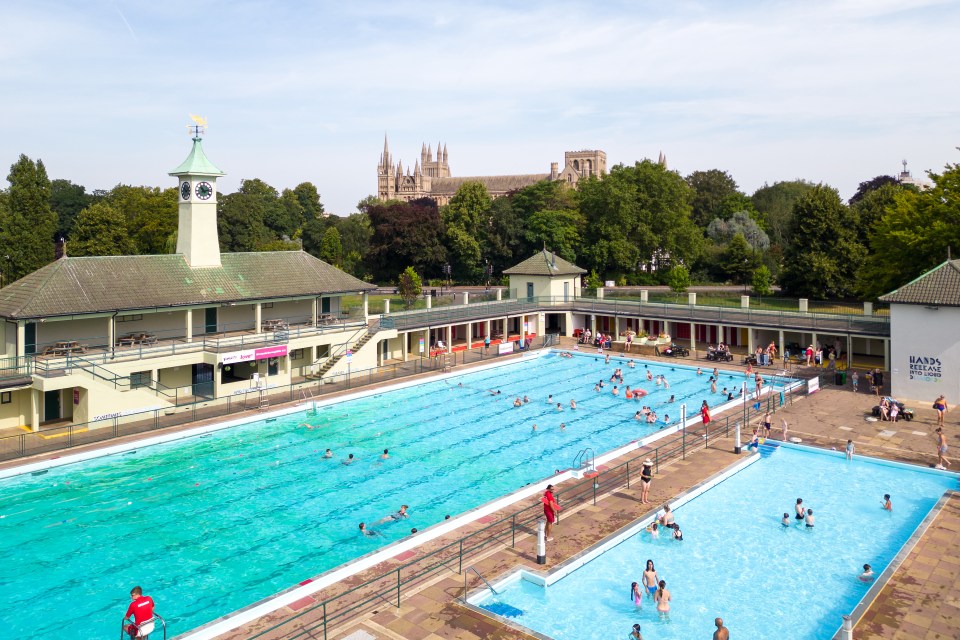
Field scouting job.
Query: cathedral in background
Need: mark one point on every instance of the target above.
(431, 178)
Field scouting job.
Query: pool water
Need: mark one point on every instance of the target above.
(738, 562)
(214, 523)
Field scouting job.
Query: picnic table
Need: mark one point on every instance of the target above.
(132, 339)
(274, 325)
(65, 348)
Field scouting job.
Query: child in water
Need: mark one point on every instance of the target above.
(635, 594)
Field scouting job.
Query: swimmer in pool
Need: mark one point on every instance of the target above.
(526, 399)
(635, 594)
(638, 415)
(650, 578)
(573, 404)
(886, 502)
(649, 375)
(699, 372)
(809, 519)
(368, 532)
(328, 454)
(559, 407)
(786, 520)
(867, 575)
(798, 508)
(677, 534)
(654, 530)
(517, 402)
(662, 596)
(615, 391)
(713, 385)
(350, 460)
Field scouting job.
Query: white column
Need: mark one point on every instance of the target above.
(750, 346)
(488, 334)
(21, 338)
(386, 306)
(449, 338)
(593, 324)
(803, 304)
(744, 302)
(693, 336)
(257, 317)
(644, 295)
(691, 298)
(868, 308)
(313, 311)
(599, 293)
(849, 351)
(429, 302)
(506, 326)
(813, 341)
(34, 410)
(499, 293)
(466, 297)
(469, 335)
(111, 332)
(720, 333)
(406, 345)
(366, 305)
(189, 325)
(426, 343)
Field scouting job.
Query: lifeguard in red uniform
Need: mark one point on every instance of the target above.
(140, 611)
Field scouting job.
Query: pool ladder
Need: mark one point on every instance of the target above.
(474, 569)
(148, 628)
(584, 460)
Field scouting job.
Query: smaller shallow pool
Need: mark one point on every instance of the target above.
(738, 561)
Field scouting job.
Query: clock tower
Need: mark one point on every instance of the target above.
(197, 238)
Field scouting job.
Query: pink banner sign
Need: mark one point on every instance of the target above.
(270, 352)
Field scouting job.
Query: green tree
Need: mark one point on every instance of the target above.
(775, 203)
(558, 229)
(331, 249)
(67, 200)
(678, 278)
(465, 218)
(762, 281)
(872, 185)
(711, 189)
(406, 233)
(309, 199)
(739, 260)
(824, 252)
(913, 234)
(240, 221)
(28, 228)
(409, 286)
(872, 206)
(101, 230)
(151, 215)
(639, 217)
(722, 231)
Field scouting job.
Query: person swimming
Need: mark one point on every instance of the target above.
(786, 520)
(328, 454)
(573, 404)
(886, 502)
(368, 532)
(677, 534)
(867, 575)
(350, 460)
(635, 594)
(809, 519)
(798, 508)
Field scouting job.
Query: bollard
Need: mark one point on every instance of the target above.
(736, 439)
(541, 542)
(846, 631)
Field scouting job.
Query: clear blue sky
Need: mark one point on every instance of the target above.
(769, 90)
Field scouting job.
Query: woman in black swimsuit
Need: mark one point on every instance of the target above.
(646, 477)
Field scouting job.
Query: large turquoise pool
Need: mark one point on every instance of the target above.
(214, 523)
(738, 562)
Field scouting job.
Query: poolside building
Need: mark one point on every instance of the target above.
(924, 321)
(88, 338)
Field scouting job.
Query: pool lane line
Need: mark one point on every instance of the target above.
(887, 574)
(59, 460)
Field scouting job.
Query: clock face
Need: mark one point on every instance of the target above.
(185, 191)
(204, 190)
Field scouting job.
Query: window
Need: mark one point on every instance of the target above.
(237, 372)
(6, 397)
(296, 354)
(323, 351)
(266, 305)
(130, 318)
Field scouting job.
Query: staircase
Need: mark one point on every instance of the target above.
(368, 332)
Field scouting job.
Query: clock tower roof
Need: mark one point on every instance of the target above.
(197, 164)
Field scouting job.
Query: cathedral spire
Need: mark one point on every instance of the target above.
(444, 153)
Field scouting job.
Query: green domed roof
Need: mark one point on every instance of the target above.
(197, 164)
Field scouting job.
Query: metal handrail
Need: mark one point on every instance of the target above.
(474, 569)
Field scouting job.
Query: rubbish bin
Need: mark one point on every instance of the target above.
(433, 293)
(840, 379)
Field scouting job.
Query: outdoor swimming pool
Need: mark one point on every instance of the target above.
(738, 562)
(211, 524)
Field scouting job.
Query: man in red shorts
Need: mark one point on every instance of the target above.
(550, 510)
(140, 611)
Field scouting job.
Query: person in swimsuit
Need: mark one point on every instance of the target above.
(328, 454)
(635, 594)
(867, 575)
(766, 425)
(799, 509)
(635, 633)
(677, 534)
(940, 405)
(887, 505)
(850, 449)
(550, 510)
(713, 385)
(650, 578)
(786, 520)
(722, 633)
(666, 519)
(646, 477)
(662, 596)
(809, 519)
(942, 461)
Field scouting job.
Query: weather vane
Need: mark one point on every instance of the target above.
(198, 127)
